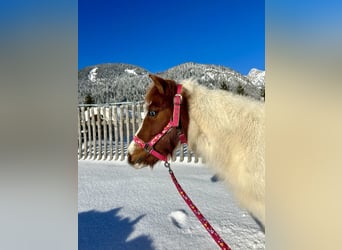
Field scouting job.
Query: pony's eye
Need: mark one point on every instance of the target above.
(152, 113)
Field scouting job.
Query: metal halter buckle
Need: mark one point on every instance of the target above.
(148, 148)
(180, 98)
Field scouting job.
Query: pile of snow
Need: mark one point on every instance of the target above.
(124, 208)
(179, 218)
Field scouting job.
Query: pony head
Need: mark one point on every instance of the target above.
(159, 111)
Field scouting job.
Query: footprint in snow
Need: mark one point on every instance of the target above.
(179, 218)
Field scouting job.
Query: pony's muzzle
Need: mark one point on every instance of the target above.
(136, 163)
(135, 158)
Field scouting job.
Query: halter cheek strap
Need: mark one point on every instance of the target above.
(174, 123)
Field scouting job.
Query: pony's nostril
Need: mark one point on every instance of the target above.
(139, 160)
(134, 162)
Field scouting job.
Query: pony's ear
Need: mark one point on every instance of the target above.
(160, 83)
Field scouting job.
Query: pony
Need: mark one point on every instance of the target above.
(225, 129)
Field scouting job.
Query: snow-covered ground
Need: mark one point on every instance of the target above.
(120, 207)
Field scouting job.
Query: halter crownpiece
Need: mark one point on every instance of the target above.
(177, 101)
(174, 123)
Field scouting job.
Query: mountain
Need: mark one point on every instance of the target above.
(214, 77)
(257, 77)
(112, 82)
(118, 82)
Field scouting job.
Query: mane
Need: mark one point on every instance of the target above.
(227, 130)
(220, 106)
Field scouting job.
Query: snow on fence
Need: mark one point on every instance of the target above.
(104, 132)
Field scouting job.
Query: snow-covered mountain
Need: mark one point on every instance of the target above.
(257, 77)
(215, 77)
(112, 82)
(107, 83)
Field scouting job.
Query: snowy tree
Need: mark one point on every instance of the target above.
(240, 90)
(118, 82)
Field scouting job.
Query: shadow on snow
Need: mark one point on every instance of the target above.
(107, 230)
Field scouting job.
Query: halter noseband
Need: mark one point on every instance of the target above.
(174, 123)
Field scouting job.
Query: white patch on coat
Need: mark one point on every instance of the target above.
(132, 146)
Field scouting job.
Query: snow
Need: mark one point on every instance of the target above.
(93, 74)
(123, 208)
(211, 75)
(257, 77)
(179, 218)
(131, 71)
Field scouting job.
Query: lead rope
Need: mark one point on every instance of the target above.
(195, 210)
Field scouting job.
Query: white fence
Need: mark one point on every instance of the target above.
(104, 132)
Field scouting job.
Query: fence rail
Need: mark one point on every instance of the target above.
(104, 132)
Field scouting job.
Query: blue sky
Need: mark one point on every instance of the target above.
(158, 35)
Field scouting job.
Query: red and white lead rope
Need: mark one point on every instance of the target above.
(198, 214)
(149, 147)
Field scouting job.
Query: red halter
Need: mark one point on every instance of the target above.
(174, 123)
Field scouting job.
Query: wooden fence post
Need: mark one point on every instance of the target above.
(84, 133)
(133, 118)
(127, 127)
(79, 135)
(121, 134)
(139, 118)
(99, 133)
(110, 128)
(116, 132)
(89, 132)
(94, 131)
(189, 154)
(105, 139)
(181, 153)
